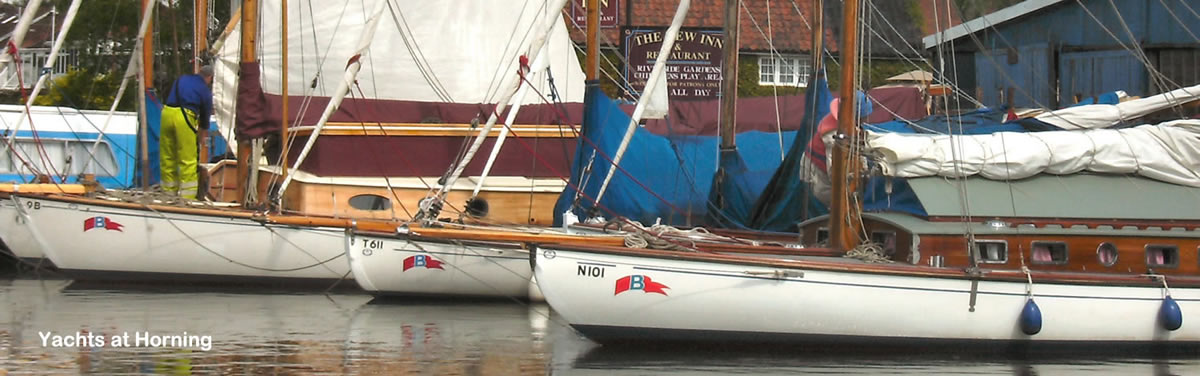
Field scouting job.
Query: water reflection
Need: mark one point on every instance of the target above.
(349, 334)
(618, 360)
(447, 338)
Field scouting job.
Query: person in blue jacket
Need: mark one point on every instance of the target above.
(188, 107)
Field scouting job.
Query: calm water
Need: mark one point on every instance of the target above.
(349, 334)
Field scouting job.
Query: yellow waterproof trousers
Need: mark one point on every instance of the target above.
(177, 152)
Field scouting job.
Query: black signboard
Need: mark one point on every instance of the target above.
(693, 68)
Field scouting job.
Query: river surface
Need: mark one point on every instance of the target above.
(52, 327)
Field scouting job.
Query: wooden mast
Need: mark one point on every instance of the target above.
(249, 55)
(146, 82)
(283, 126)
(818, 42)
(593, 41)
(844, 227)
(729, 57)
(199, 46)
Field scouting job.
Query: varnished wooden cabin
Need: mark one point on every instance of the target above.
(1081, 223)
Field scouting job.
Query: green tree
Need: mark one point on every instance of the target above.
(104, 35)
(84, 89)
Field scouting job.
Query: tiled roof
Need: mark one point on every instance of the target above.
(789, 30)
(789, 21)
(38, 33)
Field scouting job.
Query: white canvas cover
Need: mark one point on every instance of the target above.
(1168, 152)
(1094, 116)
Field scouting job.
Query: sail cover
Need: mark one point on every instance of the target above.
(1106, 115)
(1168, 151)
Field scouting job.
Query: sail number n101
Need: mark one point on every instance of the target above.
(590, 271)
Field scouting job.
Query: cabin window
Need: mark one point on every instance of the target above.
(1049, 252)
(1107, 254)
(104, 165)
(822, 235)
(370, 202)
(992, 251)
(68, 156)
(5, 158)
(886, 241)
(782, 71)
(1162, 256)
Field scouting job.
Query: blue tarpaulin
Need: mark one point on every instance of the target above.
(660, 177)
(153, 117)
(787, 199)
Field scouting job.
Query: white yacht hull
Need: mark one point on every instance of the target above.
(616, 298)
(94, 241)
(15, 233)
(397, 265)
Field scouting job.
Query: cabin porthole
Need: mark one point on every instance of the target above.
(370, 202)
(1107, 254)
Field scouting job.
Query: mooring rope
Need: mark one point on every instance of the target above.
(869, 252)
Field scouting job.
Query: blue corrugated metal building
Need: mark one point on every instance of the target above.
(1051, 53)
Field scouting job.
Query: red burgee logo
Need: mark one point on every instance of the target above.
(422, 261)
(639, 282)
(101, 222)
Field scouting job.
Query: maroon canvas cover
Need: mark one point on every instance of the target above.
(371, 111)
(701, 117)
(896, 103)
(255, 117)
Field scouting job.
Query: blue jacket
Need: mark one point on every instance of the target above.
(192, 93)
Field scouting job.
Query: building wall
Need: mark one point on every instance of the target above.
(1062, 52)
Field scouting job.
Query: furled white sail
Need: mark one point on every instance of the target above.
(652, 83)
(1168, 152)
(225, 82)
(436, 51)
(1094, 116)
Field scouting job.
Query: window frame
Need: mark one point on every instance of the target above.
(883, 246)
(800, 70)
(106, 156)
(1066, 250)
(1174, 263)
(821, 235)
(993, 241)
(375, 199)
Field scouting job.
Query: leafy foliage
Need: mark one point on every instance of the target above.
(84, 89)
(104, 35)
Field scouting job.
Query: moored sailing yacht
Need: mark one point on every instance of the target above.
(999, 266)
(474, 261)
(219, 242)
